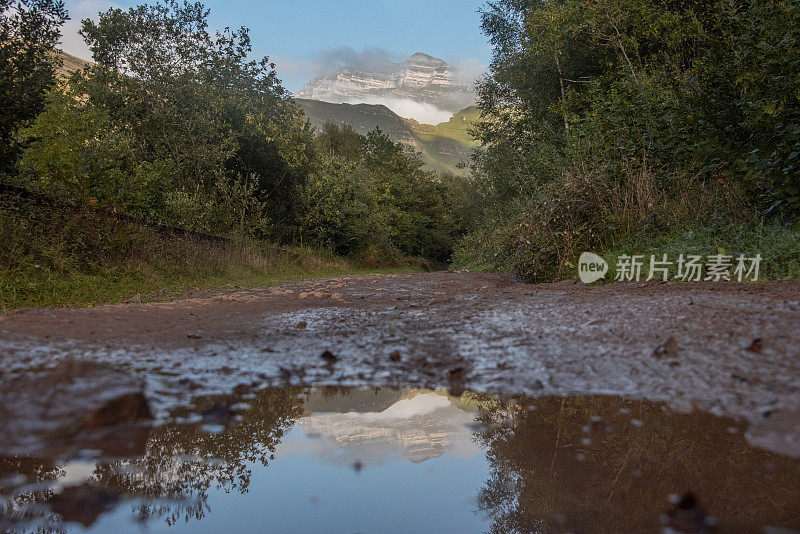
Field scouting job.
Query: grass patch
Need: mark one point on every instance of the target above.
(778, 243)
(63, 257)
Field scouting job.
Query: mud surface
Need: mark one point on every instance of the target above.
(728, 349)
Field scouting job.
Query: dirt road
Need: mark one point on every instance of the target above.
(726, 348)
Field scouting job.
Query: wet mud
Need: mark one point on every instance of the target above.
(710, 372)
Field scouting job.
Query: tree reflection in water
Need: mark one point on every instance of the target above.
(581, 464)
(604, 464)
(171, 477)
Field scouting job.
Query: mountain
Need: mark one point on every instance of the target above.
(420, 79)
(420, 426)
(442, 146)
(69, 63)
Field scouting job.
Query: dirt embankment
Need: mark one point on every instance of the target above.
(728, 348)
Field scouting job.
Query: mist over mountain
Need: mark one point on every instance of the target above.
(424, 88)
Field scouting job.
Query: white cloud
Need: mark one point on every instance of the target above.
(421, 112)
(71, 42)
(371, 59)
(468, 70)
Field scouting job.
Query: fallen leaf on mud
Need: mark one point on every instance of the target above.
(329, 357)
(667, 349)
(756, 346)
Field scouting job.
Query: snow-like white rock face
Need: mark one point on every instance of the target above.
(420, 78)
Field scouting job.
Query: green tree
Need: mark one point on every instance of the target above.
(612, 119)
(29, 31)
(193, 98)
(73, 154)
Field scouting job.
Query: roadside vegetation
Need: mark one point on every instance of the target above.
(65, 256)
(614, 126)
(174, 124)
(637, 126)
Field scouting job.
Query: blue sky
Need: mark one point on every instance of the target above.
(307, 37)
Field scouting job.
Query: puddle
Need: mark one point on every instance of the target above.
(407, 460)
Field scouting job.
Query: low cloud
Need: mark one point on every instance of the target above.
(421, 112)
(370, 60)
(468, 70)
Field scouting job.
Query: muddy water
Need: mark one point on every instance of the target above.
(406, 460)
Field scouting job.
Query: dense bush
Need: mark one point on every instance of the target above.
(370, 193)
(607, 122)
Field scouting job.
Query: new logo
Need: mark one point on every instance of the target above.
(591, 268)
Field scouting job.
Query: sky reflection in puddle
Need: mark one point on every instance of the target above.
(385, 460)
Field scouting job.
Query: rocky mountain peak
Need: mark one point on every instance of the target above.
(421, 79)
(421, 57)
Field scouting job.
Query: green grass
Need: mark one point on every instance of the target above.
(456, 129)
(778, 243)
(61, 257)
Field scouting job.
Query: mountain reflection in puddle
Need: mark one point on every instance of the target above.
(383, 460)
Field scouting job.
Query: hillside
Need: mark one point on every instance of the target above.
(69, 63)
(443, 146)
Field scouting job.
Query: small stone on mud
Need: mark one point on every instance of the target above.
(756, 346)
(667, 349)
(329, 357)
(457, 373)
(126, 408)
(395, 356)
(301, 325)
